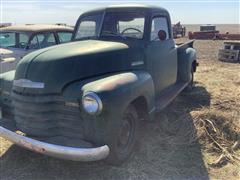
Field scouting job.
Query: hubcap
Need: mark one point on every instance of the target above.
(125, 134)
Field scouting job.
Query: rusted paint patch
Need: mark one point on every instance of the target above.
(114, 82)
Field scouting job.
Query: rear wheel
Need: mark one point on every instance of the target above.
(123, 143)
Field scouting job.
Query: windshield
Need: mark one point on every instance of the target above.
(13, 40)
(89, 27)
(117, 24)
(123, 24)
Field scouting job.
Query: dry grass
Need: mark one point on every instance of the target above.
(179, 144)
(218, 132)
(218, 126)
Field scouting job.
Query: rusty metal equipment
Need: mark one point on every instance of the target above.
(206, 32)
(179, 29)
(210, 32)
(208, 28)
(230, 52)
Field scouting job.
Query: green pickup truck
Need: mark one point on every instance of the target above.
(83, 100)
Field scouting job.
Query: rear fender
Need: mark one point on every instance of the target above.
(186, 59)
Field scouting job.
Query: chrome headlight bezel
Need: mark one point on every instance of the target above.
(92, 103)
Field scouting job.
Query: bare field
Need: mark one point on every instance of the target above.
(174, 146)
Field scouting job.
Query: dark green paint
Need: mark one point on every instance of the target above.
(104, 66)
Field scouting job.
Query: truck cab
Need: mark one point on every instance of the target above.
(137, 28)
(83, 100)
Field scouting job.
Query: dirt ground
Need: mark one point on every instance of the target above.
(174, 146)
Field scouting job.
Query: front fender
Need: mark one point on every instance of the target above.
(116, 91)
(119, 90)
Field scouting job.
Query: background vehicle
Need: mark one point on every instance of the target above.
(83, 100)
(179, 29)
(17, 41)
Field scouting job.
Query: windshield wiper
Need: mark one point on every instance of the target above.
(107, 33)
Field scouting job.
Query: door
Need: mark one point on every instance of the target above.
(162, 55)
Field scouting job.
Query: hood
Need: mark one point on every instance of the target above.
(57, 66)
(12, 53)
(9, 58)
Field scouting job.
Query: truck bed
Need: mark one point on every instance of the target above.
(185, 45)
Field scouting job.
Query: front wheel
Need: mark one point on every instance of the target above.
(122, 144)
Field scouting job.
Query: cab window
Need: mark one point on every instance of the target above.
(13, 40)
(64, 37)
(8, 39)
(88, 28)
(159, 23)
(42, 40)
(23, 40)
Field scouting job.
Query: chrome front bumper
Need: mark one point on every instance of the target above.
(62, 152)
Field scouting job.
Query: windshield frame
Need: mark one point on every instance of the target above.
(17, 33)
(103, 13)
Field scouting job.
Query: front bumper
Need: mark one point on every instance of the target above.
(62, 152)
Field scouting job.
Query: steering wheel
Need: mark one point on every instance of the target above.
(22, 44)
(123, 31)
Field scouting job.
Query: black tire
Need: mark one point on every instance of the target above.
(190, 86)
(124, 140)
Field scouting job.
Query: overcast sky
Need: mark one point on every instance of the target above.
(67, 11)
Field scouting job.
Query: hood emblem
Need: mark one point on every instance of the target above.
(25, 83)
(137, 63)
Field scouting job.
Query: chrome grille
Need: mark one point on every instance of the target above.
(46, 116)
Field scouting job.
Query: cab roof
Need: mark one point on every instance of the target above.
(37, 28)
(146, 8)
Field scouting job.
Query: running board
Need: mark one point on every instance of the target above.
(168, 95)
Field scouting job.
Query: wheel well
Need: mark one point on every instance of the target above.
(141, 106)
(194, 65)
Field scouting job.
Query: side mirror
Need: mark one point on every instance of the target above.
(162, 35)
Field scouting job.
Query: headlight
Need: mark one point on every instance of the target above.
(92, 104)
(10, 59)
